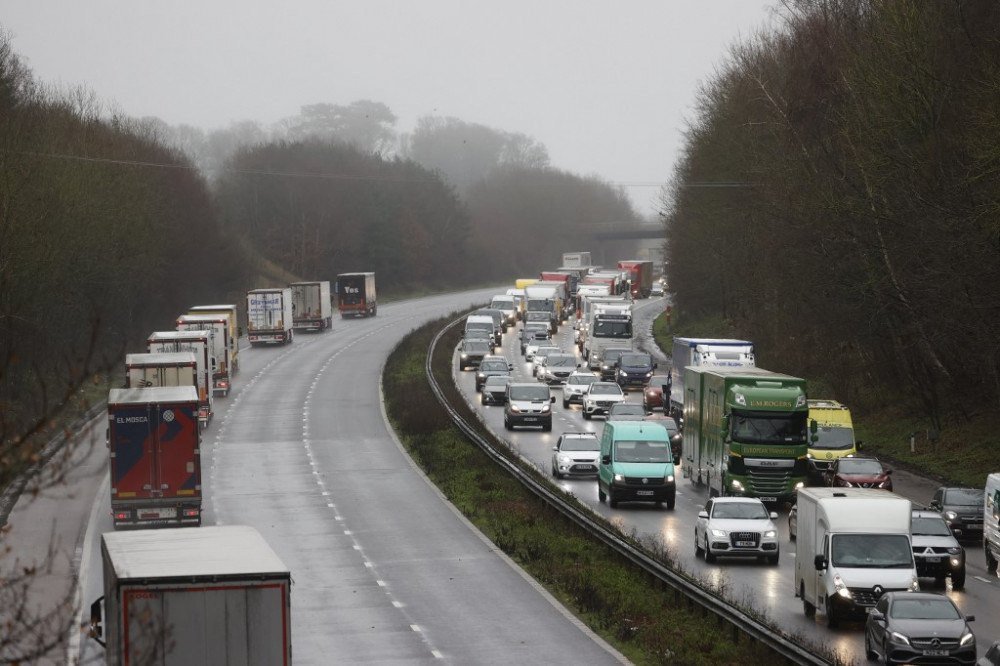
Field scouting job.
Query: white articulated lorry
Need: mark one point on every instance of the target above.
(202, 344)
(312, 308)
(222, 346)
(710, 352)
(193, 597)
(163, 369)
(269, 316)
(852, 546)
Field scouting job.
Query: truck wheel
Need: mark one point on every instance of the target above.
(958, 580)
(832, 621)
(600, 494)
(807, 608)
(670, 503)
(991, 562)
(612, 500)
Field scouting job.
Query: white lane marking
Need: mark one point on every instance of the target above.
(985, 580)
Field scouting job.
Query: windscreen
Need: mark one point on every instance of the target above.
(859, 466)
(532, 393)
(768, 428)
(580, 380)
(739, 510)
(612, 329)
(833, 438)
(929, 526)
(560, 361)
(605, 389)
(964, 497)
(636, 360)
(580, 444)
(642, 452)
(924, 609)
(872, 551)
(493, 365)
(625, 408)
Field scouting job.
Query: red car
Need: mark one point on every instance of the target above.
(657, 394)
(858, 473)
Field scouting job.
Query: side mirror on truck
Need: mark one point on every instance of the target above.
(820, 562)
(97, 621)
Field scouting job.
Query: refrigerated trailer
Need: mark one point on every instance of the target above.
(312, 309)
(269, 316)
(356, 295)
(164, 369)
(230, 311)
(154, 445)
(222, 346)
(201, 344)
(173, 597)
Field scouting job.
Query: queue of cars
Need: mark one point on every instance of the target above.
(632, 464)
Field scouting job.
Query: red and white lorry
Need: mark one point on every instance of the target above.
(640, 276)
(173, 597)
(154, 445)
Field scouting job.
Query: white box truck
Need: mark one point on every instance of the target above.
(235, 332)
(576, 259)
(312, 309)
(201, 343)
(184, 597)
(269, 316)
(991, 522)
(712, 352)
(163, 369)
(222, 346)
(852, 546)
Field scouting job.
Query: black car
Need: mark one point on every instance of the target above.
(962, 509)
(494, 390)
(936, 552)
(609, 363)
(490, 366)
(634, 369)
(919, 627)
(528, 333)
(472, 352)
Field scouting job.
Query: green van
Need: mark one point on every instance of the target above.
(637, 464)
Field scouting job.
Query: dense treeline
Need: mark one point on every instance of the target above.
(95, 246)
(319, 208)
(838, 200)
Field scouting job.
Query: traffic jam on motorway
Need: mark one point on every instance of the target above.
(752, 437)
(158, 576)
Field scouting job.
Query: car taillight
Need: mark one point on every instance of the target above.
(190, 513)
(224, 384)
(121, 515)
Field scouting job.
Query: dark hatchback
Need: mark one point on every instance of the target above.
(472, 352)
(494, 390)
(849, 472)
(634, 370)
(919, 628)
(962, 509)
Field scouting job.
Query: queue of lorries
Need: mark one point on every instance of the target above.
(754, 438)
(215, 594)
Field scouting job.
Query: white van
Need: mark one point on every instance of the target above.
(852, 546)
(991, 514)
(486, 323)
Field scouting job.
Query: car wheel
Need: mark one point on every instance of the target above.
(885, 653)
(482, 400)
(586, 415)
(565, 404)
(506, 424)
(709, 555)
(807, 608)
(958, 580)
(698, 550)
(600, 494)
(773, 559)
(556, 474)
(671, 501)
(870, 654)
(547, 427)
(612, 500)
(832, 621)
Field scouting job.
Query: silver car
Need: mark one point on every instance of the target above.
(557, 368)
(736, 526)
(576, 454)
(538, 359)
(599, 397)
(576, 384)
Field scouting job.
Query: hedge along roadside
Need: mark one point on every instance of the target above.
(646, 620)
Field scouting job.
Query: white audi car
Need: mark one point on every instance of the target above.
(736, 526)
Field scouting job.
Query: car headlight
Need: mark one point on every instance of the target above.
(914, 585)
(770, 534)
(465, 356)
(619, 477)
(605, 367)
(800, 484)
(884, 484)
(622, 373)
(563, 458)
(841, 589)
(736, 485)
(718, 533)
(845, 484)
(546, 409)
(809, 455)
(670, 478)
(648, 375)
(967, 638)
(950, 515)
(515, 409)
(481, 375)
(899, 638)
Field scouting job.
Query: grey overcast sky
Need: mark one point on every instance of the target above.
(606, 86)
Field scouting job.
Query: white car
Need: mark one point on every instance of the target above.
(599, 397)
(736, 526)
(557, 368)
(538, 358)
(576, 454)
(533, 346)
(576, 384)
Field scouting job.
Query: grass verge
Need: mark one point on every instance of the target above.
(647, 622)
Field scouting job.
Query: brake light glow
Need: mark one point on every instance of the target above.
(190, 513)
(121, 515)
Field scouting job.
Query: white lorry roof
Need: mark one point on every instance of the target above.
(154, 394)
(203, 318)
(160, 358)
(862, 509)
(190, 334)
(183, 552)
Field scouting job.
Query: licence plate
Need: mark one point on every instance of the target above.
(585, 467)
(976, 525)
(157, 513)
(935, 653)
(768, 499)
(745, 544)
(530, 419)
(932, 559)
(644, 493)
